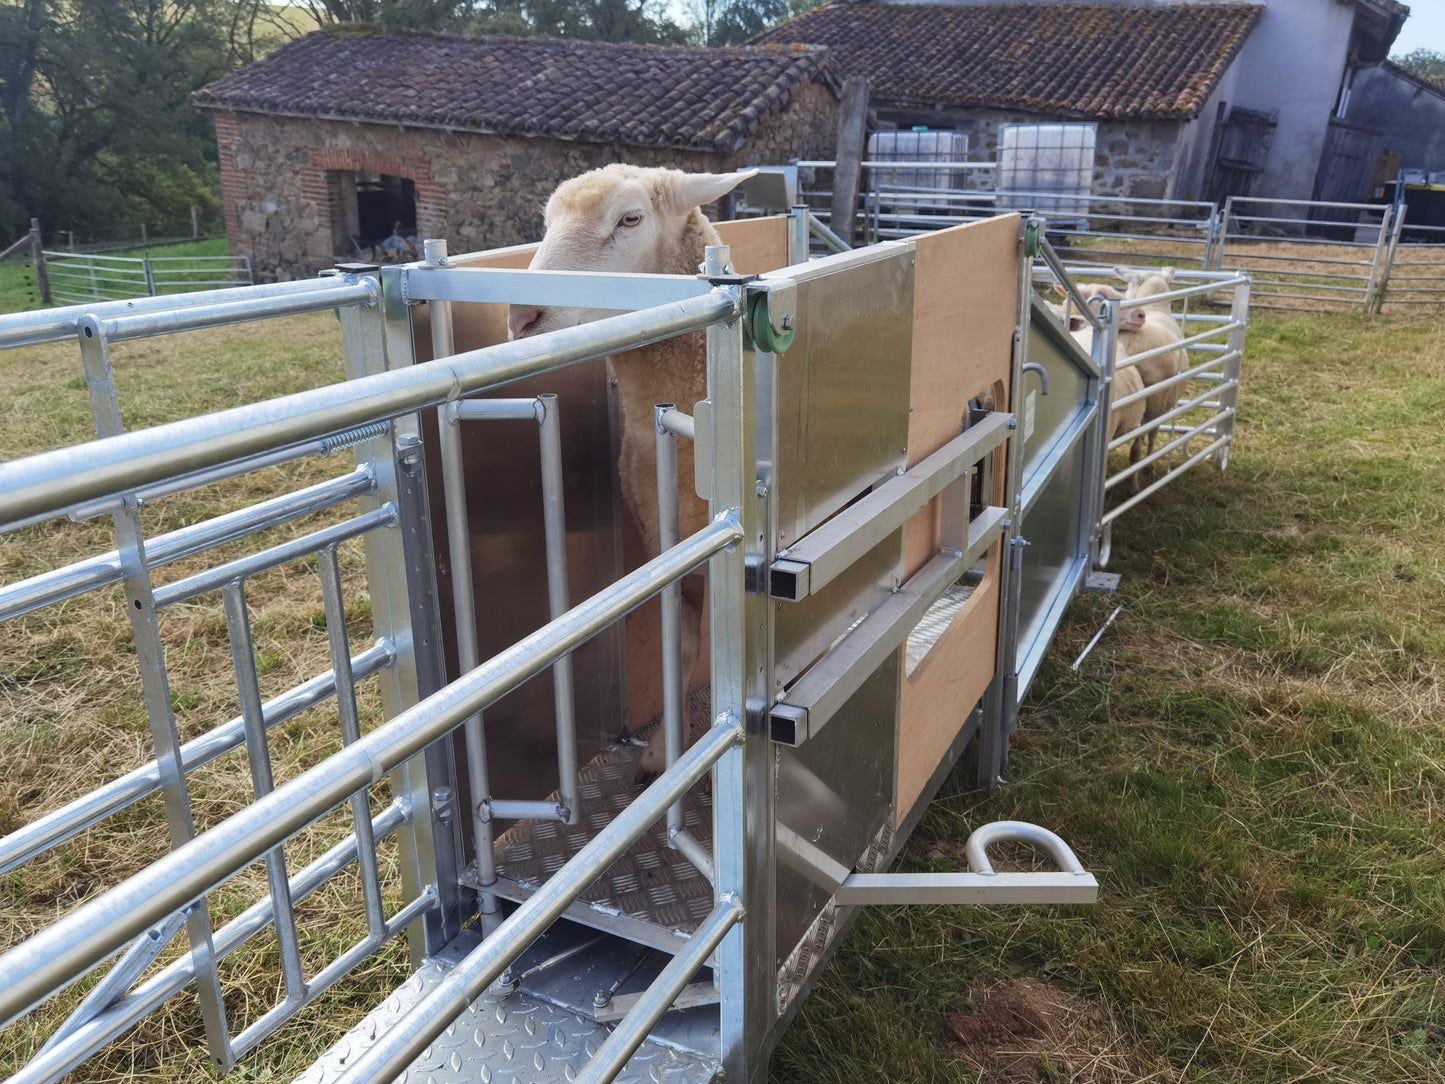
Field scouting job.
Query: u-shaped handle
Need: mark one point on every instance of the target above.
(1019, 832)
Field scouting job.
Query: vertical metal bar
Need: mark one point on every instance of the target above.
(334, 603)
(671, 601)
(798, 235)
(1229, 393)
(741, 680)
(258, 753)
(155, 683)
(464, 627)
(1382, 244)
(554, 526)
(401, 578)
(1382, 294)
(1224, 220)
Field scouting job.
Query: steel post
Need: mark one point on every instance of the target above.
(554, 524)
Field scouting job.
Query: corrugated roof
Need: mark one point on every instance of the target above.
(1081, 60)
(701, 99)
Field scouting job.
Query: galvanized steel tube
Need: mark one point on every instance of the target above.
(671, 601)
(632, 1030)
(34, 969)
(59, 825)
(332, 293)
(554, 530)
(56, 480)
(63, 583)
(405, 1040)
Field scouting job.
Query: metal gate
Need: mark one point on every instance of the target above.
(839, 521)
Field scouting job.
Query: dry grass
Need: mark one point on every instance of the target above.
(1249, 760)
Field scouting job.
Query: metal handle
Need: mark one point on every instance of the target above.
(1020, 832)
(1035, 367)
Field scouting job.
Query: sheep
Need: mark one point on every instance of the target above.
(648, 220)
(1127, 380)
(1157, 328)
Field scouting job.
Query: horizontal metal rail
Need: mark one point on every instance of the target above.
(815, 697)
(30, 594)
(1183, 439)
(573, 289)
(142, 325)
(69, 820)
(50, 325)
(1168, 348)
(241, 568)
(54, 1061)
(400, 1044)
(37, 968)
(1144, 494)
(53, 481)
(1169, 382)
(831, 549)
(1176, 412)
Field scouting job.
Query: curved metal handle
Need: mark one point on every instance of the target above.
(1019, 832)
(1035, 367)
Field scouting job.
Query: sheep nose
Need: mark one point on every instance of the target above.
(521, 319)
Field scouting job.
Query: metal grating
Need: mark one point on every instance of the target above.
(502, 1040)
(652, 894)
(934, 623)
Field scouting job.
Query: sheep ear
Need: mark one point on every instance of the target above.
(695, 189)
(1059, 289)
(1168, 273)
(1128, 274)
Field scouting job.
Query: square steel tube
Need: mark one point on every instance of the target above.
(832, 548)
(820, 692)
(571, 289)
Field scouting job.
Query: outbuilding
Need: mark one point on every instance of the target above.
(346, 145)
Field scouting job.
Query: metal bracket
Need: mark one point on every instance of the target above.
(1072, 884)
(1097, 582)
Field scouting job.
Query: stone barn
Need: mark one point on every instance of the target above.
(345, 146)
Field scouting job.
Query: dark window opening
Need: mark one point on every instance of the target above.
(377, 219)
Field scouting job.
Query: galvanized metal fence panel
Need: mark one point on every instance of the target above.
(86, 277)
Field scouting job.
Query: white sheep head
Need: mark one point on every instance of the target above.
(622, 218)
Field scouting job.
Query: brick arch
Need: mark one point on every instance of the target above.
(320, 185)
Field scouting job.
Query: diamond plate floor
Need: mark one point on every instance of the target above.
(511, 1040)
(652, 894)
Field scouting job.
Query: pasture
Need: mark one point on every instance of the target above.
(1250, 760)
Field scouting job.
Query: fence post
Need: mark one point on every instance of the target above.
(848, 156)
(150, 275)
(1396, 229)
(144, 243)
(195, 224)
(37, 256)
(1373, 287)
(1223, 233)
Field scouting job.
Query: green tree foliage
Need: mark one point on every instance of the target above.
(731, 22)
(1426, 64)
(95, 131)
(639, 21)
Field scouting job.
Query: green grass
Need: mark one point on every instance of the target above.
(1250, 760)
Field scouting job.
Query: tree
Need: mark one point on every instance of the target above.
(731, 22)
(581, 20)
(1426, 64)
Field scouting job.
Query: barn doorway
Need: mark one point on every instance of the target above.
(375, 216)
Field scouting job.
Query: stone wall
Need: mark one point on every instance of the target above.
(282, 177)
(1131, 157)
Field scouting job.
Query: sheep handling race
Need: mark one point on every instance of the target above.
(859, 618)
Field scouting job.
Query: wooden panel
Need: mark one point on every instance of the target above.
(965, 305)
(757, 244)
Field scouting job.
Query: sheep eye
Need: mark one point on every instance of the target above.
(631, 218)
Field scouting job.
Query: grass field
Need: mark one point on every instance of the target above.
(1250, 760)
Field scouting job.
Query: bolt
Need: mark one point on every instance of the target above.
(600, 999)
(788, 322)
(1013, 423)
(442, 803)
(761, 489)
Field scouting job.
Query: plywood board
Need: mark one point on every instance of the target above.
(756, 244)
(965, 307)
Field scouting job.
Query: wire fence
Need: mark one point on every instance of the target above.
(1304, 255)
(80, 277)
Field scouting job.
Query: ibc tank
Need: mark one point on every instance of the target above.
(1047, 158)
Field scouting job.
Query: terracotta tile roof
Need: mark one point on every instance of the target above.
(1080, 60)
(701, 99)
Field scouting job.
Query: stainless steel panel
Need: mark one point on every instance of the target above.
(834, 795)
(1050, 421)
(843, 390)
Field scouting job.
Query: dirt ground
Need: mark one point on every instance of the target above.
(1022, 1031)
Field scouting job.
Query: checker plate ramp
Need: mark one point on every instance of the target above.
(511, 1040)
(652, 894)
